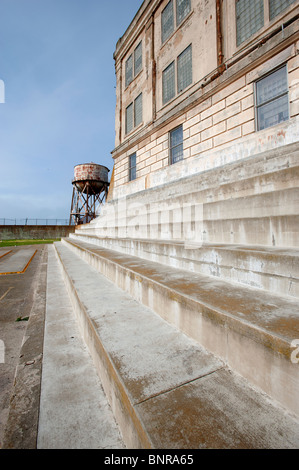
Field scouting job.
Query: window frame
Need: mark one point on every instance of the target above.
(174, 63)
(134, 61)
(175, 23)
(132, 167)
(280, 12)
(171, 162)
(132, 57)
(128, 81)
(255, 32)
(134, 125)
(257, 106)
(176, 13)
(267, 23)
(134, 111)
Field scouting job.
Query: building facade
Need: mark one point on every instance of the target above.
(201, 83)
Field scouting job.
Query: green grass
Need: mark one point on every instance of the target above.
(27, 242)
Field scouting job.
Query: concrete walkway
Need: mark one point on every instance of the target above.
(74, 412)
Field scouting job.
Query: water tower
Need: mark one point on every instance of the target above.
(90, 189)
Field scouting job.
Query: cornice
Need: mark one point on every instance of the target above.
(139, 22)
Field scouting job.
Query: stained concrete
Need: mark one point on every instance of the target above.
(227, 319)
(22, 296)
(15, 262)
(74, 412)
(165, 390)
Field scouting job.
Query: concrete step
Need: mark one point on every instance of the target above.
(74, 411)
(253, 202)
(250, 330)
(166, 390)
(272, 269)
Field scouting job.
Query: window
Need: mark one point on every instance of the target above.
(183, 7)
(134, 114)
(133, 69)
(176, 145)
(138, 110)
(132, 167)
(250, 18)
(185, 69)
(167, 20)
(129, 70)
(277, 6)
(184, 75)
(168, 85)
(138, 59)
(129, 118)
(272, 104)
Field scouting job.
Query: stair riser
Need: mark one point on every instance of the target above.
(133, 432)
(242, 348)
(275, 273)
(280, 231)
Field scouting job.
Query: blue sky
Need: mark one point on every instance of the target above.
(56, 62)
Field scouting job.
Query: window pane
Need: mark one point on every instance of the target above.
(138, 110)
(129, 118)
(167, 21)
(177, 153)
(176, 136)
(138, 59)
(176, 145)
(271, 86)
(185, 69)
(183, 7)
(168, 83)
(277, 6)
(250, 18)
(273, 113)
(132, 167)
(129, 70)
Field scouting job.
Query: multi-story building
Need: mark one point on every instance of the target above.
(199, 76)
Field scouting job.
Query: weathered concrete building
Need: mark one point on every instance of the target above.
(201, 225)
(208, 75)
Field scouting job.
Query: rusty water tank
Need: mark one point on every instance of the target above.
(96, 175)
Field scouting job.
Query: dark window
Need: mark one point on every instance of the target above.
(250, 18)
(272, 103)
(132, 167)
(176, 144)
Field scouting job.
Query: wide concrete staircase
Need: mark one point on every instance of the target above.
(187, 298)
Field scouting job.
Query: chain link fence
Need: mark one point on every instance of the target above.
(5, 221)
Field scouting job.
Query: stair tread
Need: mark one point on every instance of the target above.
(269, 317)
(184, 396)
(74, 411)
(265, 250)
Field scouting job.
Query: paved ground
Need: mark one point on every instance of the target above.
(22, 307)
(50, 394)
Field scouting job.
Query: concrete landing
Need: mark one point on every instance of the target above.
(165, 390)
(74, 412)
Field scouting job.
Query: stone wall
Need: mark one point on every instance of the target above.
(34, 232)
